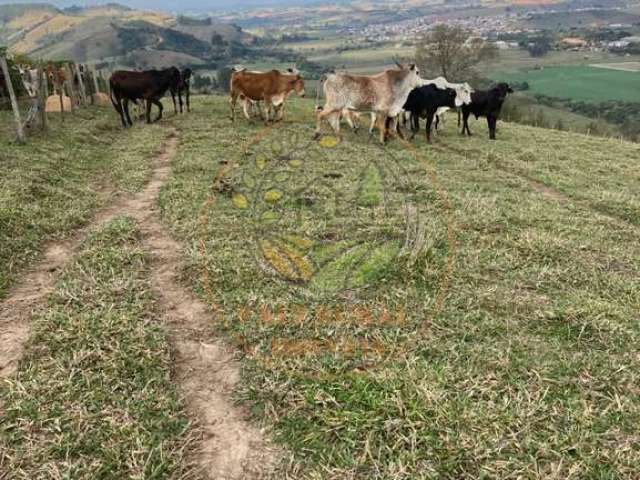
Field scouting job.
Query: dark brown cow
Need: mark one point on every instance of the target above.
(150, 85)
(184, 87)
(272, 88)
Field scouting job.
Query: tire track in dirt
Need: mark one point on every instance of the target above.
(229, 446)
(25, 299)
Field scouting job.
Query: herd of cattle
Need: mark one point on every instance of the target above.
(392, 97)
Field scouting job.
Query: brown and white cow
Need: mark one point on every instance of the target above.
(272, 88)
(383, 94)
(57, 76)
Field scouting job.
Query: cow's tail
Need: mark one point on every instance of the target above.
(323, 79)
(114, 98)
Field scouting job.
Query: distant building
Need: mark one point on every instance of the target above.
(573, 42)
(632, 39)
(618, 44)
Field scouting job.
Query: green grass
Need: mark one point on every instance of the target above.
(579, 83)
(327, 265)
(93, 396)
(529, 369)
(51, 185)
(530, 110)
(517, 60)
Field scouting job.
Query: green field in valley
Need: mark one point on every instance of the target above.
(579, 83)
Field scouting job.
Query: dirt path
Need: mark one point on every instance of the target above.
(230, 448)
(24, 300)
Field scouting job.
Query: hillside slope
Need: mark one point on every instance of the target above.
(376, 364)
(461, 310)
(115, 34)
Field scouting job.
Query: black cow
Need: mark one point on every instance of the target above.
(185, 86)
(150, 85)
(486, 103)
(424, 102)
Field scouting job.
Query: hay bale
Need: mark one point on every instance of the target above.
(53, 104)
(101, 99)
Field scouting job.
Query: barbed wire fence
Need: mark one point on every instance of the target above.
(31, 96)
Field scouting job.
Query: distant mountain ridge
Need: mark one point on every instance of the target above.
(116, 34)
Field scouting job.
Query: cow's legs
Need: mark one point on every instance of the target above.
(491, 122)
(267, 107)
(465, 123)
(232, 104)
(322, 114)
(414, 120)
(125, 105)
(372, 125)
(427, 128)
(175, 105)
(245, 108)
(180, 100)
(188, 96)
(382, 125)
(161, 108)
(351, 120)
(394, 127)
(147, 115)
(117, 104)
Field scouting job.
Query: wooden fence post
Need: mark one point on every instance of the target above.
(96, 85)
(83, 92)
(106, 82)
(14, 101)
(57, 76)
(70, 90)
(43, 94)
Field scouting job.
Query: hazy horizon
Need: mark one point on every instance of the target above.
(168, 5)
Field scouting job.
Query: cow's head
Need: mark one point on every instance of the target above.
(463, 94)
(296, 82)
(29, 77)
(502, 89)
(413, 74)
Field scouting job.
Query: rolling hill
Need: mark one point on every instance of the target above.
(116, 34)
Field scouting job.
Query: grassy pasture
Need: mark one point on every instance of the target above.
(580, 83)
(93, 397)
(54, 183)
(528, 369)
(467, 309)
(624, 66)
(517, 60)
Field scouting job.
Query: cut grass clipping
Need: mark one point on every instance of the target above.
(93, 397)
